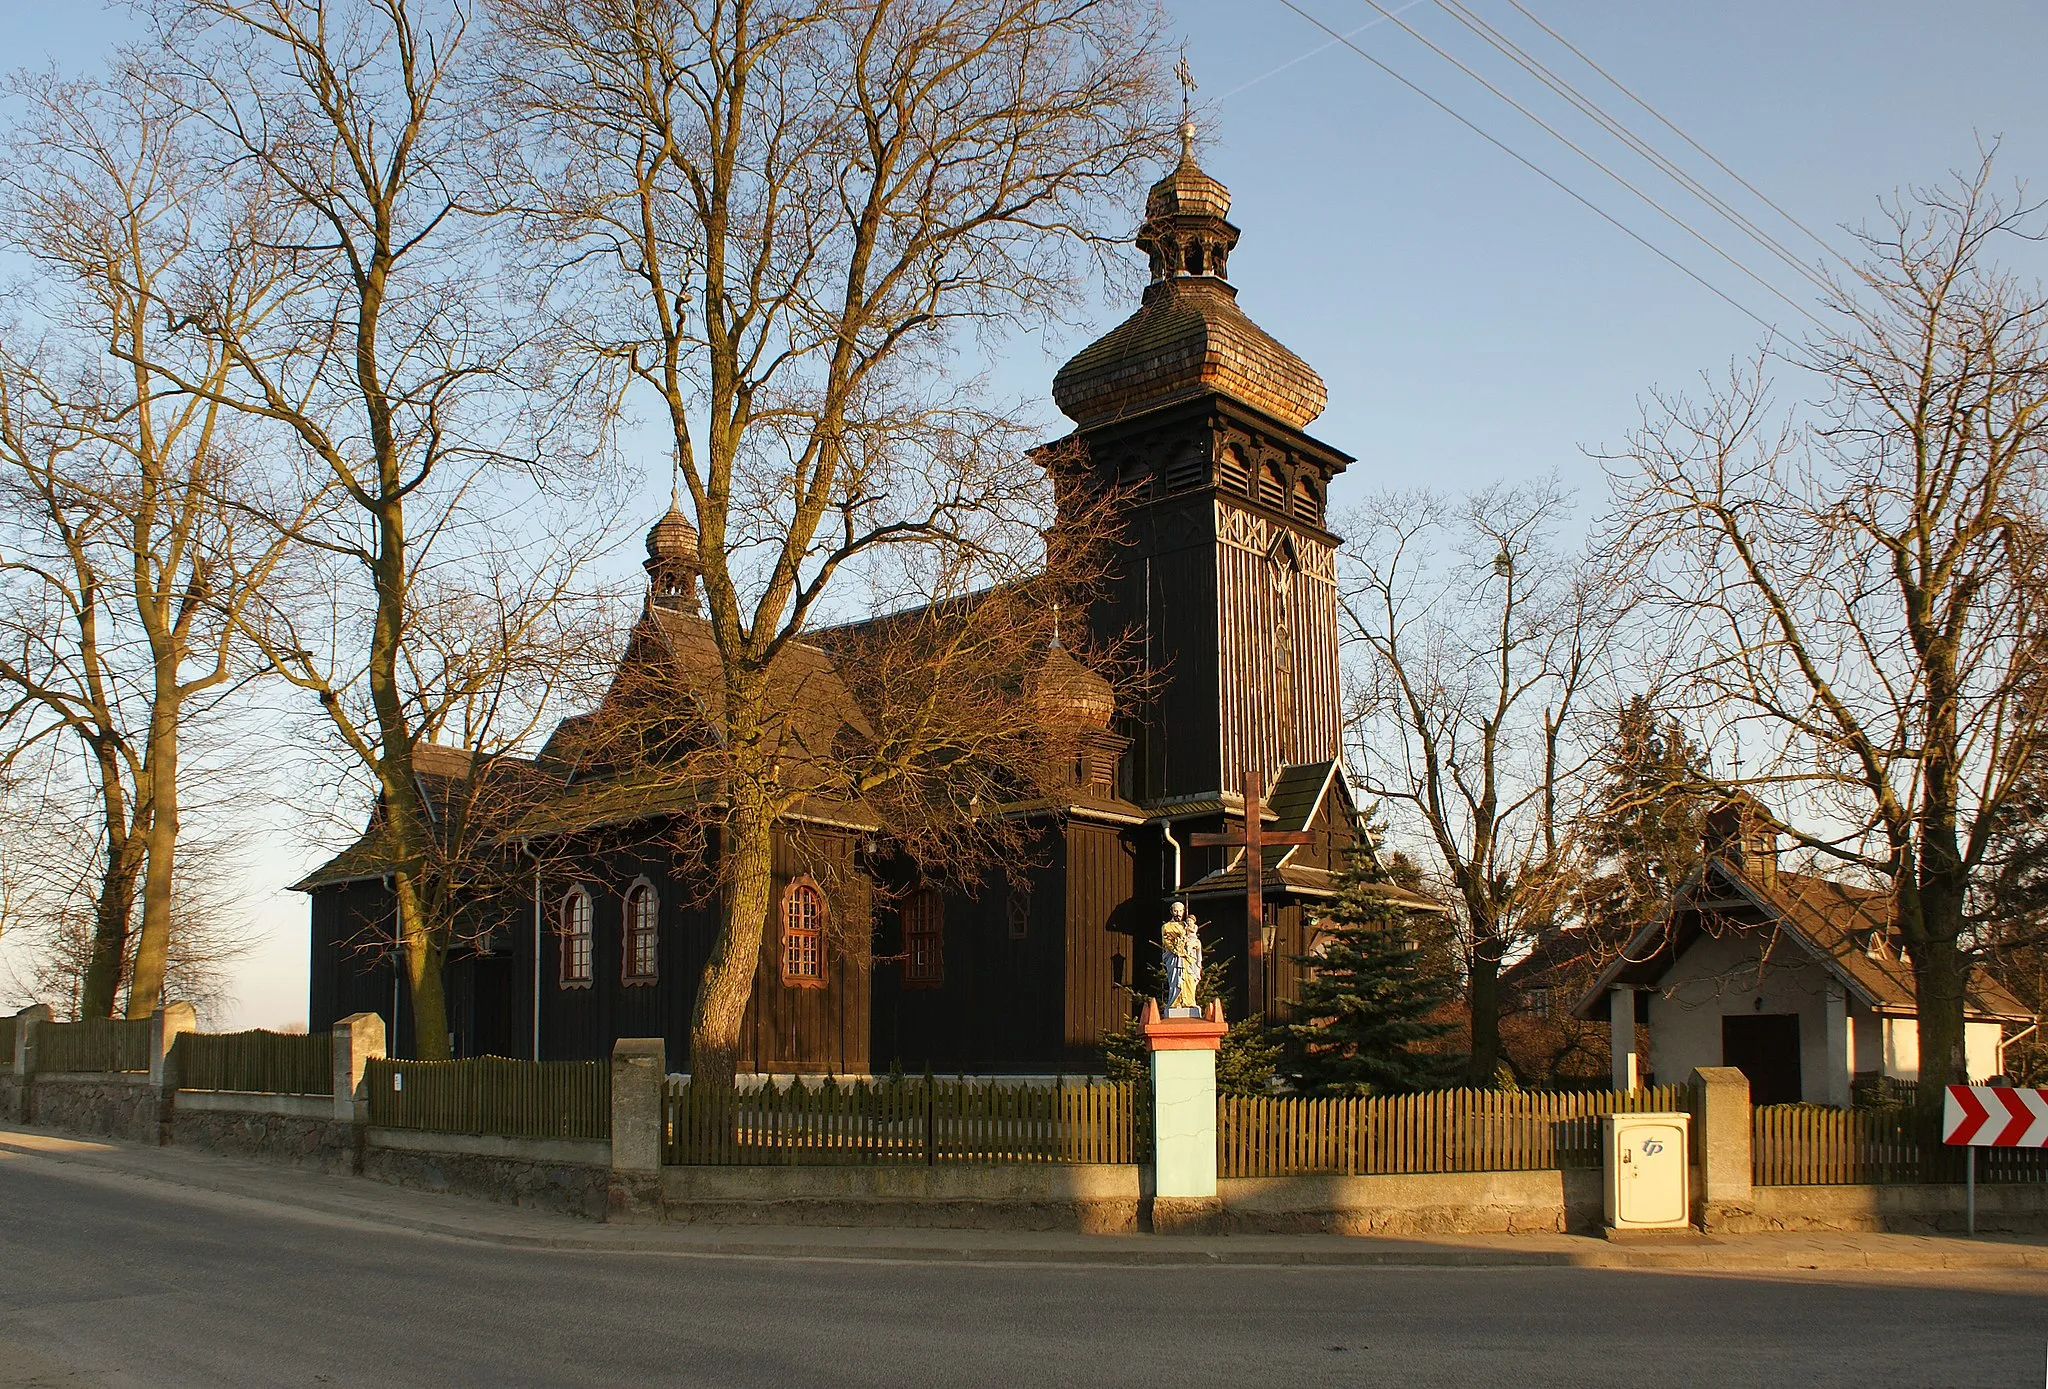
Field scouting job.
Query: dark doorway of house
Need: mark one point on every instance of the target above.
(1766, 1048)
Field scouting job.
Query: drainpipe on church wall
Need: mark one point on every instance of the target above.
(526, 847)
(1166, 828)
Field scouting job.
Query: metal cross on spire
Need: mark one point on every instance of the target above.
(1186, 75)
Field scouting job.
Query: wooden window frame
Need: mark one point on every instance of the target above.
(631, 935)
(798, 943)
(924, 939)
(576, 944)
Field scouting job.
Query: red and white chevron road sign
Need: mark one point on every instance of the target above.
(1995, 1116)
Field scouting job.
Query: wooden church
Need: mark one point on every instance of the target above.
(1223, 787)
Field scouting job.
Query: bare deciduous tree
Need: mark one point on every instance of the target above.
(1479, 642)
(402, 374)
(785, 218)
(1860, 587)
(130, 555)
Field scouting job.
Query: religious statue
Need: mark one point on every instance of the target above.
(1180, 940)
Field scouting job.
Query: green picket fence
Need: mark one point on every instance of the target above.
(92, 1044)
(903, 1123)
(1433, 1131)
(257, 1062)
(493, 1095)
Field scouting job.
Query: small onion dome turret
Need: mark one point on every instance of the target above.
(672, 559)
(1067, 693)
(672, 537)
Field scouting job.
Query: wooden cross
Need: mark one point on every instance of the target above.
(1254, 838)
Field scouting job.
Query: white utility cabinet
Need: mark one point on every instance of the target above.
(1648, 1179)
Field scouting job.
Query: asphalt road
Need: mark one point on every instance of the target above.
(129, 1282)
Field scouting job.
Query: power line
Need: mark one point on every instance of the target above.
(1564, 88)
(1324, 47)
(1575, 148)
(1543, 174)
(1666, 122)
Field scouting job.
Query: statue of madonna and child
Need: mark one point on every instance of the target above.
(1180, 945)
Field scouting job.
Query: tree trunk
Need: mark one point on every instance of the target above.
(424, 958)
(115, 905)
(728, 983)
(153, 944)
(1941, 972)
(1484, 995)
(111, 914)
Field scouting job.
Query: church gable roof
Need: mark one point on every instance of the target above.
(1302, 796)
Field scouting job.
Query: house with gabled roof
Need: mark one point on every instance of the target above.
(1801, 981)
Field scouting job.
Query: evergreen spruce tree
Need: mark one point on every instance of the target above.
(1363, 1025)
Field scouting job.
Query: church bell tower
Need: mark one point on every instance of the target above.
(1226, 573)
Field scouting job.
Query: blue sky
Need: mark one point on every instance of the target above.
(1474, 323)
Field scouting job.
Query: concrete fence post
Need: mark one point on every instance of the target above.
(22, 1063)
(165, 1025)
(25, 1037)
(1626, 1062)
(1184, 1199)
(357, 1038)
(639, 1077)
(1721, 1142)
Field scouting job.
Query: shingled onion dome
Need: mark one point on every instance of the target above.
(673, 563)
(1189, 337)
(1068, 694)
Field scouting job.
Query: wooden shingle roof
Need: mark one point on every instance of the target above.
(1189, 339)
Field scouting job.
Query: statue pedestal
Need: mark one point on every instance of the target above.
(1183, 1116)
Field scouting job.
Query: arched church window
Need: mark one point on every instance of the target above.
(574, 929)
(924, 940)
(1273, 487)
(803, 935)
(643, 934)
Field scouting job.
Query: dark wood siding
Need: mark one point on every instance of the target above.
(1193, 588)
(1101, 928)
(351, 969)
(1000, 1009)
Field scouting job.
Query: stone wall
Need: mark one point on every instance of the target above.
(101, 1105)
(562, 1175)
(1892, 1209)
(299, 1131)
(10, 1098)
(1091, 1199)
(1449, 1203)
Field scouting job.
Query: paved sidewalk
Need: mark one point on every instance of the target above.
(207, 1179)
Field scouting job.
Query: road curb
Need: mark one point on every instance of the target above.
(671, 1241)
